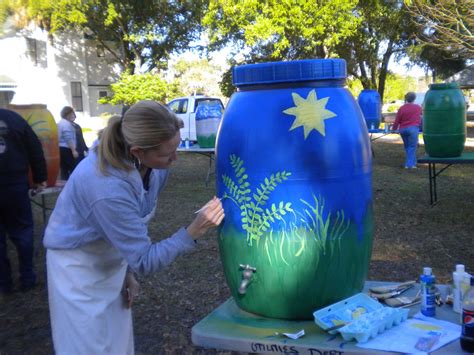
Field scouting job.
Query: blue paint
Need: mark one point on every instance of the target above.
(336, 167)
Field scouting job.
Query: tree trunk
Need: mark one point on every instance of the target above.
(384, 69)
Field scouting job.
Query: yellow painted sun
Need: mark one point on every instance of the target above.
(310, 113)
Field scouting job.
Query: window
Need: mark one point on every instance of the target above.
(209, 102)
(76, 95)
(178, 106)
(102, 94)
(36, 52)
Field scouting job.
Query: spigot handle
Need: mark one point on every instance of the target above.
(248, 267)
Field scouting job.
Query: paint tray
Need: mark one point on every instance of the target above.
(359, 316)
(345, 311)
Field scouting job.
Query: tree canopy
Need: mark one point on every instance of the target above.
(276, 29)
(367, 33)
(133, 88)
(445, 24)
(196, 76)
(145, 32)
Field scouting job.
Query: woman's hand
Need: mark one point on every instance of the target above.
(130, 289)
(209, 216)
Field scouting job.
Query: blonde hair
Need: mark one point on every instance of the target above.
(146, 125)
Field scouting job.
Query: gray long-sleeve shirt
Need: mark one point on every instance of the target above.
(115, 208)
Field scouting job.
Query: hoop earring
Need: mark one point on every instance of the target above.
(137, 163)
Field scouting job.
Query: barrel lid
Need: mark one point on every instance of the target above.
(292, 71)
(444, 86)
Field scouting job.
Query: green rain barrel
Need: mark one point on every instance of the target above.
(293, 169)
(371, 106)
(444, 121)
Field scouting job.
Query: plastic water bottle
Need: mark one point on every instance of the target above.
(186, 143)
(428, 293)
(467, 335)
(458, 276)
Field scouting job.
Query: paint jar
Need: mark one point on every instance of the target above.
(428, 293)
(293, 170)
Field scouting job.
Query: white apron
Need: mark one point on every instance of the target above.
(87, 309)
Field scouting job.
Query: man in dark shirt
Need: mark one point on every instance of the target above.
(20, 149)
(81, 146)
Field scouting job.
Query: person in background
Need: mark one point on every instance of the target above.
(97, 236)
(20, 149)
(67, 142)
(408, 121)
(81, 146)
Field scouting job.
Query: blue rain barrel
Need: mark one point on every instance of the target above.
(293, 169)
(371, 106)
(208, 118)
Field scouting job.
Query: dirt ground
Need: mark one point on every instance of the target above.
(408, 235)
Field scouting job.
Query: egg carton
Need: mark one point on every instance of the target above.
(371, 324)
(345, 311)
(359, 317)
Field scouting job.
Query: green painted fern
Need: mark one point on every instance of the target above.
(255, 217)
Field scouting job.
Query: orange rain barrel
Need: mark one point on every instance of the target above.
(44, 125)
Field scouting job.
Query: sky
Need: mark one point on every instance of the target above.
(398, 68)
(401, 69)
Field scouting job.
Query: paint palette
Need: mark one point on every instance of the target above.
(359, 317)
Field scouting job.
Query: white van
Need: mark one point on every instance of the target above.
(185, 108)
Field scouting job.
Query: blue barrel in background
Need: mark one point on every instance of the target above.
(208, 118)
(293, 169)
(371, 106)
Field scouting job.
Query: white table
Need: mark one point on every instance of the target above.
(230, 328)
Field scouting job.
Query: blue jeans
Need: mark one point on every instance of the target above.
(410, 141)
(16, 221)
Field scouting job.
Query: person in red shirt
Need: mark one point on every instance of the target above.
(408, 121)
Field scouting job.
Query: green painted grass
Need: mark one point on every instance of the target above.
(300, 269)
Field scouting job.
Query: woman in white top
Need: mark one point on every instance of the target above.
(97, 235)
(67, 142)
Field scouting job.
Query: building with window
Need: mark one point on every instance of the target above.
(67, 69)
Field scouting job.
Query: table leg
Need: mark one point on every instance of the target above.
(435, 188)
(209, 170)
(430, 179)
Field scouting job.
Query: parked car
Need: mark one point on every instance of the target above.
(185, 108)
